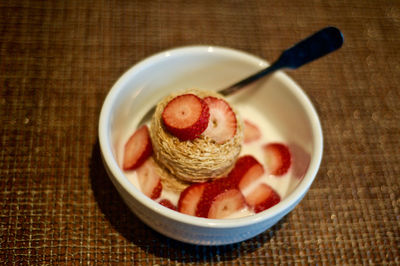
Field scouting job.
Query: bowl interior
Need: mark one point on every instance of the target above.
(276, 102)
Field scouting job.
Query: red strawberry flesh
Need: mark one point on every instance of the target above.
(226, 196)
(251, 132)
(226, 203)
(259, 196)
(186, 116)
(137, 149)
(190, 198)
(242, 165)
(278, 158)
(247, 174)
(211, 191)
(167, 203)
(262, 197)
(149, 180)
(222, 123)
(250, 178)
(300, 160)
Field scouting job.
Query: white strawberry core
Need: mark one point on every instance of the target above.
(222, 123)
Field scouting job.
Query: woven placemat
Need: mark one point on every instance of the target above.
(58, 60)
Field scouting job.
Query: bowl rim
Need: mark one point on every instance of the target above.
(104, 132)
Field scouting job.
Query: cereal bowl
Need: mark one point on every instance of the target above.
(276, 102)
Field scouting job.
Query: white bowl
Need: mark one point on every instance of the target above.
(281, 101)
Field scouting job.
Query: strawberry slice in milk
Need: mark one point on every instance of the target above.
(278, 158)
(251, 132)
(149, 180)
(137, 149)
(190, 198)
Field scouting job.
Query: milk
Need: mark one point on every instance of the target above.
(283, 185)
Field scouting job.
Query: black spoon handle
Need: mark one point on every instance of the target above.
(317, 45)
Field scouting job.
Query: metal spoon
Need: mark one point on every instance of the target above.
(317, 45)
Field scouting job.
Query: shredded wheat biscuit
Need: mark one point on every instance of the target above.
(198, 160)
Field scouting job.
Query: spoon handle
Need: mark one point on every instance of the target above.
(317, 45)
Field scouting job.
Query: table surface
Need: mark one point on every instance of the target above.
(58, 60)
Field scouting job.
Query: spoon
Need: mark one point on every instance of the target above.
(315, 46)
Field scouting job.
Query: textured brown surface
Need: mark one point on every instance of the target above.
(58, 59)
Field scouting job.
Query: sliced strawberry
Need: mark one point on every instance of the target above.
(278, 158)
(137, 149)
(222, 123)
(190, 198)
(167, 203)
(259, 196)
(212, 190)
(262, 197)
(216, 187)
(251, 132)
(300, 160)
(242, 165)
(250, 178)
(186, 116)
(149, 180)
(247, 175)
(226, 203)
